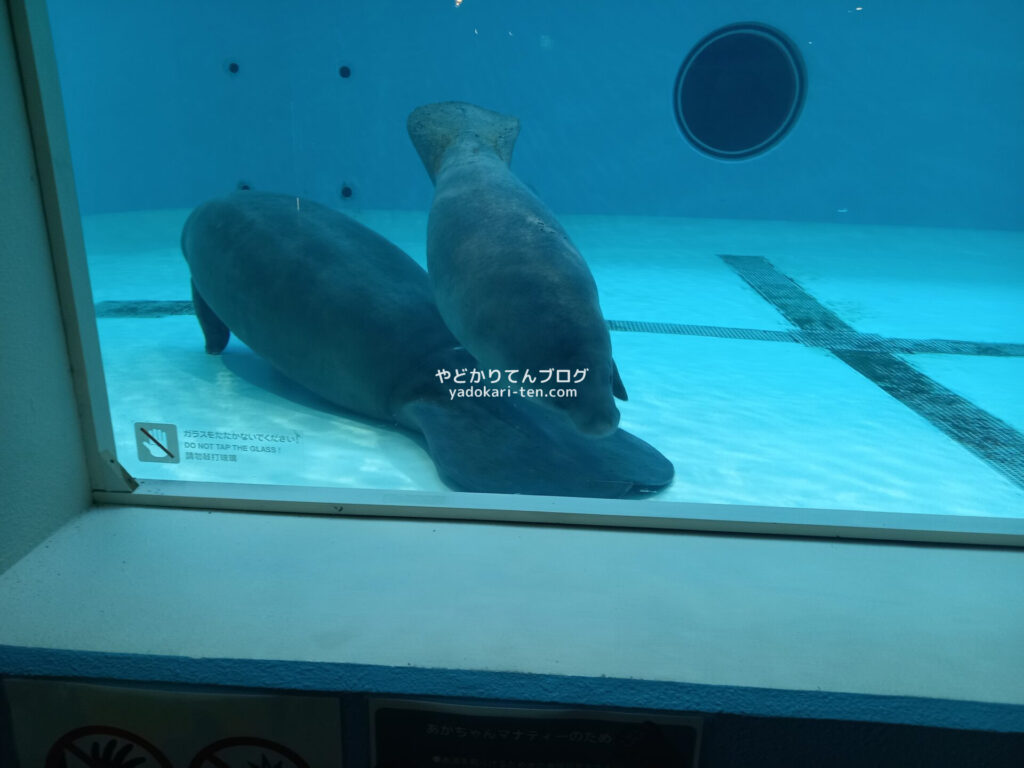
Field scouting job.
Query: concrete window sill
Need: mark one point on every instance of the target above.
(923, 635)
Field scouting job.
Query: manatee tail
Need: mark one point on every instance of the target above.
(214, 329)
(517, 446)
(433, 128)
(487, 447)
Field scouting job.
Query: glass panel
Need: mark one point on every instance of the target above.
(835, 321)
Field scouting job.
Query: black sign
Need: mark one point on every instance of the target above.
(411, 735)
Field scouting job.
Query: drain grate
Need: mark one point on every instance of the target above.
(988, 437)
(783, 293)
(749, 334)
(849, 339)
(143, 308)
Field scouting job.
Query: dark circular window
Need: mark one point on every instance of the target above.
(740, 90)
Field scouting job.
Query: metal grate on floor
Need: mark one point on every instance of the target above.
(985, 435)
(849, 339)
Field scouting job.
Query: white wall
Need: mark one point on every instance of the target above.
(43, 480)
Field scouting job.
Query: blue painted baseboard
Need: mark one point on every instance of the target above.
(511, 686)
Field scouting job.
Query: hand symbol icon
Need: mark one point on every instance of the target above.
(155, 443)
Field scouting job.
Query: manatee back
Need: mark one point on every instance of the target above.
(330, 303)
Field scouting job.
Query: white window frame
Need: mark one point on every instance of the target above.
(111, 484)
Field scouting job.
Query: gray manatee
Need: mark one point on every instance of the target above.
(507, 280)
(343, 312)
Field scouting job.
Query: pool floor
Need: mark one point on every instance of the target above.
(774, 363)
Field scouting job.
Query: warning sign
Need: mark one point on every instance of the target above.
(80, 725)
(157, 442)
(437, 734)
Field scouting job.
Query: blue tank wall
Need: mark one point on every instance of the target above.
(913, 114)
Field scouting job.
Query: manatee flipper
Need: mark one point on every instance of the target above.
(215, 332)
(628, 456)
(486, 446)
(619, 455)
(618, 388)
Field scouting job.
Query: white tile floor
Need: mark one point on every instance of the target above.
(747, 422)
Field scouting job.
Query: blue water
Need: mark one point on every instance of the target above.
(744, 421)
(894, 205)
(912, 114)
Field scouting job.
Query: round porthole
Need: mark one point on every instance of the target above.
(740, 91)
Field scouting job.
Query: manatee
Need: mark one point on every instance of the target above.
(507, 279)
(347, 315)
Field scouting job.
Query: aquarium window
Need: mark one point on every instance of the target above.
(740, 91)
(262, 271)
